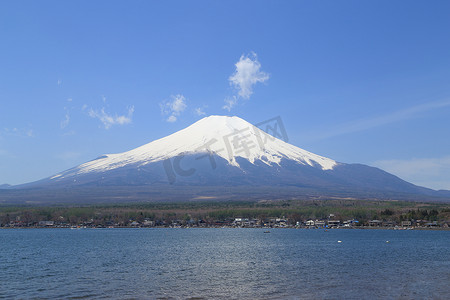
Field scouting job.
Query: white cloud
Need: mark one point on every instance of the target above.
(171, 119)
(30, 133)
(174, 107)
(429, 172)
(247, 74)
(178, 104)
(109, 120)
(199, 111)
(69, 133)
(65, 122)
(229, 103)
(18, 132)
(369, 123)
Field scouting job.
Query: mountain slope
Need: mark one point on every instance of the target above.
(218, 158)
(230, 138)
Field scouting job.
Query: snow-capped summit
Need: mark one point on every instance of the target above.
(227, 137)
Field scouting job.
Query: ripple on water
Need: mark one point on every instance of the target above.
(224, 264)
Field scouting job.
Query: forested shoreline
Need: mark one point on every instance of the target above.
(209, 214)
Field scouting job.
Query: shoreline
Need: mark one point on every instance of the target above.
(231, 227)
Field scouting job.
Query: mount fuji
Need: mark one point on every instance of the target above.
(221, 158)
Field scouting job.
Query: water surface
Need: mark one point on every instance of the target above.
(224, 263)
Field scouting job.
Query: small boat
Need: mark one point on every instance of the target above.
(267, 231)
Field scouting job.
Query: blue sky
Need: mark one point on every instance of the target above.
(357, 81)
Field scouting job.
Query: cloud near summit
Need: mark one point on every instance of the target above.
(247, 74)
(173, 107)
(109, 120)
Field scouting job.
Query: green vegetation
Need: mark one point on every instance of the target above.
(213, 212)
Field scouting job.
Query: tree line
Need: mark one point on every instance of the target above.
(212, 212)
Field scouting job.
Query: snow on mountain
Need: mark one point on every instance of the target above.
(244, 163)
(227, 137)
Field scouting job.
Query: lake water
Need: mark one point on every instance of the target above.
(224, 264)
